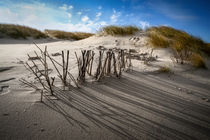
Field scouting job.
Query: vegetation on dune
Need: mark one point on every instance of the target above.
(164, 69)
(119, 30)
(18, 31)
(159, 40)
(187, 47)
(206, 49)
(68, 35)
(197, 60)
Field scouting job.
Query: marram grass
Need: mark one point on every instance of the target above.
(18, 31)
(119, 30)
(188, 47)
(164, 69)
(197, 61)
(68, 35)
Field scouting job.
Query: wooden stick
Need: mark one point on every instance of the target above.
(114, 63)
(40, 81)
(41, 60)
(102, 71)
(98, 71)
(67, 63)
(64, 80)
(91, 65)
(72, 78)
(29, 84)
(78, 64)
(46, 71)
(59, 74)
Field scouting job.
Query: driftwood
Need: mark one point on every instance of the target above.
(85, 63)
(110, 62)
(45, 73)
(99, 68)
(62, 77)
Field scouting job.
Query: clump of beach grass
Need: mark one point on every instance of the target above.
(18, 31)
(158, 40)
(119, 30)
(184, 44)
(68, 35)
(164, 69)
(197, 61)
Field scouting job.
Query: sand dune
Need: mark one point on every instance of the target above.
(143, 104)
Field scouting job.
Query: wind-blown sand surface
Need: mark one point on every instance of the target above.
(143, 104)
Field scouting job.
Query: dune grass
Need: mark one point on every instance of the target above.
(68, 35)
(164, 69)
(159, 40)
(18, 31)
(185, 45)
(119, 30)
(177, 39)
(197, 61)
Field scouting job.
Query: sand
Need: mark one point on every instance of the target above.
(143, 104)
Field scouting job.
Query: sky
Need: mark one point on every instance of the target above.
(192, 16)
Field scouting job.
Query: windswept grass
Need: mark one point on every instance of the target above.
(119, 30)
(185, 45)
(158, 40)
(197, 61)
(18, 31)
(177, 39)
(164, 69)
(68, 35)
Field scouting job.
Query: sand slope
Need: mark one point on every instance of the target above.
(143, 104)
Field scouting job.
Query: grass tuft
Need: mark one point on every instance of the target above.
(197, 61)
(68, 35)
(164, 69)
(18, 31)
(119, 30)
(158, 40)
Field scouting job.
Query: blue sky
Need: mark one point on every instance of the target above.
(192, 16)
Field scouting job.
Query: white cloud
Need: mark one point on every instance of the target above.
(42, 16)
(115, 16)
(63, 7)
(85, 18)
(11, 17)
(36, 15)
(129, 15)
(103, 23)
(99, 7)
(98, 14)
(71, 7)
(144, 24)
(69, 15)
(79, 13)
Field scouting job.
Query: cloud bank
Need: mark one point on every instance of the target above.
(42, 16)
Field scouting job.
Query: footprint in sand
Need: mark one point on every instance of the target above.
(206, 99)
(4, 88)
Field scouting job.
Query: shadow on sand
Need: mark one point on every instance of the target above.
(134, 108)
(27, 41)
